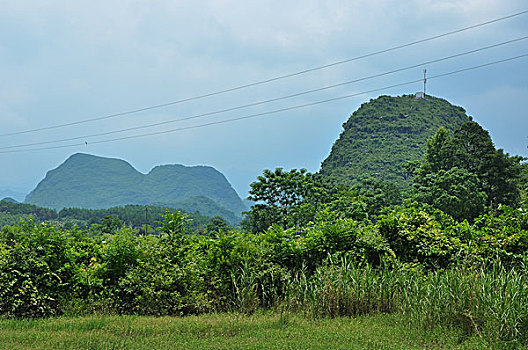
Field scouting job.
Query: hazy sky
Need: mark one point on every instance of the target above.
(67, 61)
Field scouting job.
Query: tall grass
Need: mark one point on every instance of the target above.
(343, 288)
(487, 301)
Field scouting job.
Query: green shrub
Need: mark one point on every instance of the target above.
(502, 235)
(35, 270)
(416, 236)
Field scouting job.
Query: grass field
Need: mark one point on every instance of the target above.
(227, 331)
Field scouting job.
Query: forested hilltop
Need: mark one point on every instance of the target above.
(88, 181)
(385, 136)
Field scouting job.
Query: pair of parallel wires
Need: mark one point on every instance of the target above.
(23, 147)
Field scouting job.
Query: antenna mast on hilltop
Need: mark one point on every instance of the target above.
(425, 80)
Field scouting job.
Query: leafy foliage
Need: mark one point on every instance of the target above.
(217, 225)
(415, 260)
(416, 236)
(289, 199)
(35, 270)
(463, 174)
(378, 195)
(295, 198)
(11, 212)
(455, 191)
(45, 270)
(524, 184)
(173, 223)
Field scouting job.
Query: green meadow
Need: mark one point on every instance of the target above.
(228, 331)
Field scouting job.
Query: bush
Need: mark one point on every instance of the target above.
(35, 270)
(416, 236)
(502, 235)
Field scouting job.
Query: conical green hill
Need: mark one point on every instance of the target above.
(385, 134)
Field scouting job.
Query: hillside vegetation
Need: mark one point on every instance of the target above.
(87, 181)
(384, 135)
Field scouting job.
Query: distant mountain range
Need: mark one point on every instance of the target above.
(385, 134)
(17, 195)
(92, 182)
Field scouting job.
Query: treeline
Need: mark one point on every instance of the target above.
(20, 210)
(96, 221)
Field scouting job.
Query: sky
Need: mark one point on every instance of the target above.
(65, 62)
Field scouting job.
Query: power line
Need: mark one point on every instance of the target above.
(274, 111)
(84, 137)
(266, 81)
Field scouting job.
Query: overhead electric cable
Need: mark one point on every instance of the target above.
(266, 81)
(84, 137)
(273, 111)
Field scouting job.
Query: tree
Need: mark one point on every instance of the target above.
(260, 217)
(110, 224)
(473, 148)
(217, 224)
(348, 205)
(502, 179)
(287, 198)
(377, 195)
(466, 165)
(456, 192)
(524, 184)
(439, 152)
(498, 172)
(173, 224)
(280, 188)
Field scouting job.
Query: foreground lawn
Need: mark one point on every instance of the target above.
(225, 331)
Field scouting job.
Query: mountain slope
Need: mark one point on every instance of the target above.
(87, 181)
(386, 133)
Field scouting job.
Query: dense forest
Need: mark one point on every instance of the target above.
(448, 249)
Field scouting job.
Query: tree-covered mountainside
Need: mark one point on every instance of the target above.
(88, 181)
(384, 136)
